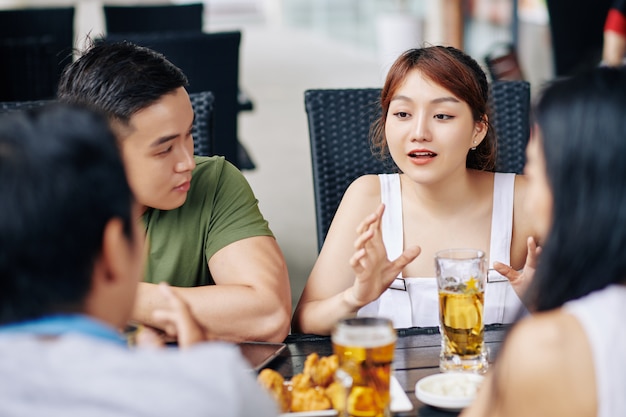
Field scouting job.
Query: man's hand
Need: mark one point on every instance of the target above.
(177, 321)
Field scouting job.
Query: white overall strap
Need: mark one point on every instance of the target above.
(498, 286)
(392, 226)
(391, 197)
(502, 218)
(395, 302)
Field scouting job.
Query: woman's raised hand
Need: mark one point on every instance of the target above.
(521, 280)
(374, 271)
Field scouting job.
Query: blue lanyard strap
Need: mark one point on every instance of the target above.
(64, 324)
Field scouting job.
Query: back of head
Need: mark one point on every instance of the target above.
(458, 73)
(119, 79)
(582, 124)
(61, 181)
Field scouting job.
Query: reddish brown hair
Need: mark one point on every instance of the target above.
(458, 73)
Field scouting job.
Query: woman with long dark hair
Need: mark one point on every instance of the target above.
(569, 358)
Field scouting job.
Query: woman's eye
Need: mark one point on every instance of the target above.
(401, 114)
(443, 117)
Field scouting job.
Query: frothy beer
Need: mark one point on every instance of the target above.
(365, 348)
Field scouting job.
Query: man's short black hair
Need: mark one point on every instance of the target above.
(61, 181)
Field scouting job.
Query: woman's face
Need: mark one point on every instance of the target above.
(539, 198)
(429, 131)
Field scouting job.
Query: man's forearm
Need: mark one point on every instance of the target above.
(228, 312)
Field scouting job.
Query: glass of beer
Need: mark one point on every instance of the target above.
(461, 275)
(365, 348)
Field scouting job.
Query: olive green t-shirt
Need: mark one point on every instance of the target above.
(220, 209)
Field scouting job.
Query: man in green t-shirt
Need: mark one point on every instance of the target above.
(205, 233)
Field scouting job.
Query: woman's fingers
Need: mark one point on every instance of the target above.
(407, 257)
(366, 223)
(363, 238)
(505, 270)
(372, 219)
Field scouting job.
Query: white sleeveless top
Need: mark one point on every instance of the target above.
(601, 315)
(418, 306)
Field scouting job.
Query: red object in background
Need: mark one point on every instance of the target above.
(616, 22)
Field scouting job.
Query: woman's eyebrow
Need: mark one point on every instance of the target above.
(444, 99)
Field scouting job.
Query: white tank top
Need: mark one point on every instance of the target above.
(418, 305)
(601, 315)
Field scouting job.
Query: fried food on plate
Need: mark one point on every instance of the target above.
(275, 384)
(310, 399)
(321, 370)
(313, 389)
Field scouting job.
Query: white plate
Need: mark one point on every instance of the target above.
(399, 403)
(319, 413)
(450, 391)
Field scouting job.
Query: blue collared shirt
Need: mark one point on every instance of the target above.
(61, 324)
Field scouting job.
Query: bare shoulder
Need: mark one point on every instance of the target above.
(541, 336)
(362, 196)
(549, 340)
(546, 359)
(360, 199)
(366, 186)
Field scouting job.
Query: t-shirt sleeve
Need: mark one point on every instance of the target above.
(236, 213)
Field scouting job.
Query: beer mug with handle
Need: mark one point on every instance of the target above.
(365, 348)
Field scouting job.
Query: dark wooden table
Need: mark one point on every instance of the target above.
(416, 356)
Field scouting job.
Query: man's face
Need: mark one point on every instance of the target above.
(157, 149)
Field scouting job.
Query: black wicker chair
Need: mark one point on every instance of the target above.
(160, 19)
(211, 63)
(202, 129)
(339, 122)
(154, 18)
(35, 45)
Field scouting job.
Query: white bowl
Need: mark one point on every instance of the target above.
(450, 391)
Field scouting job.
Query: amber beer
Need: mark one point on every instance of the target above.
(365, 348)
(461, 282)
(461, 317)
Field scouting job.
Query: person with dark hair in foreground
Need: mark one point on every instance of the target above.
(568, 358)
(71, 255)
(204, 227)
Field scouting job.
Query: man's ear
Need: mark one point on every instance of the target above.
(115, 251)
(114, 280)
